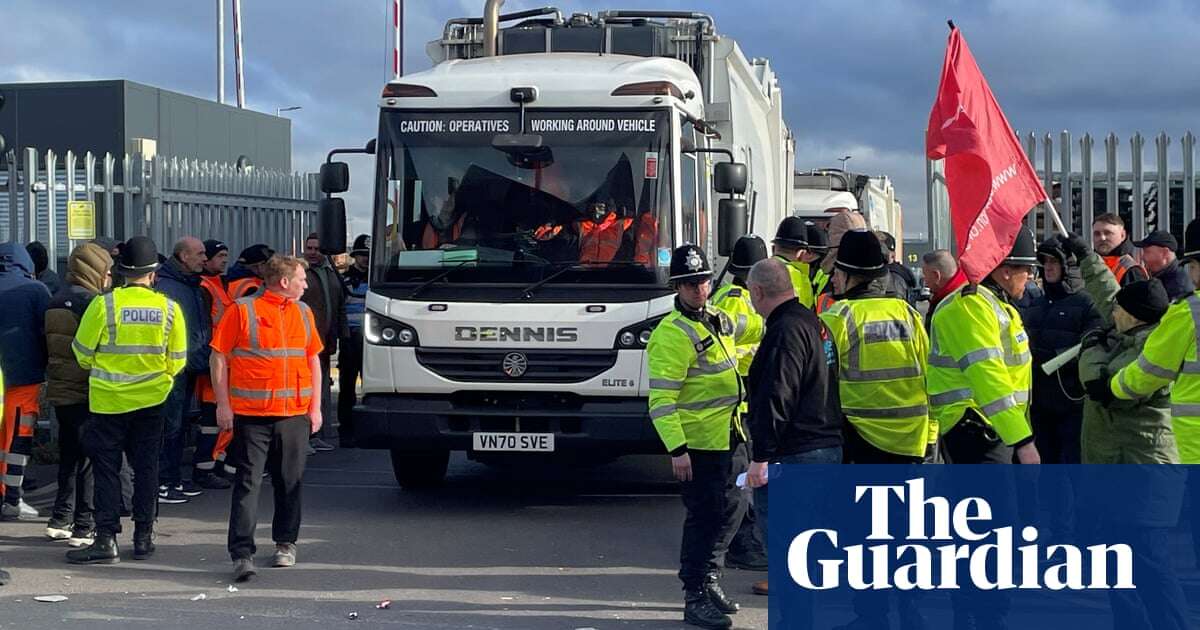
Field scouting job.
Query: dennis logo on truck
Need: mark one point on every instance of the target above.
(516, 333)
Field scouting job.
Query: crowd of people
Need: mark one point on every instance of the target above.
(817, 354)
(139, 356)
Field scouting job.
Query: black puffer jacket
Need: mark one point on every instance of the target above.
(1055, 321)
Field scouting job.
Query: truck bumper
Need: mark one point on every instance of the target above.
(413, 422)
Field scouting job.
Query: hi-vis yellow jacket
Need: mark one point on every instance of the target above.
(980, 360)
(735, 301)
(798, 270)
(134, 341)
(1170, 354)
(883, 349)
(694, 385)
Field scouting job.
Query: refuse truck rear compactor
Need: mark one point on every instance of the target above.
(529, 190)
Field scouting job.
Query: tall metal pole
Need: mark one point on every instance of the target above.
(397, 40)
(237, 54)
(221, 51)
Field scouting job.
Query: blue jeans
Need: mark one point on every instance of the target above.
(831, 455)
(174, 409)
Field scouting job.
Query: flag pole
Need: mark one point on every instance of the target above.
(1052, 212)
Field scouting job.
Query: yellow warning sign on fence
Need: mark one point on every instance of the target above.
(81, 220)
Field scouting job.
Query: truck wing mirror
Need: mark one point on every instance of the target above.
(335, 177)
(732, 222)
(730, 178)
(331, 225)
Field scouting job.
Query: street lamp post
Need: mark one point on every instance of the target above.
(843, 160)
(280, 110)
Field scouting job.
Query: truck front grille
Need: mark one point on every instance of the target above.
(541, 366)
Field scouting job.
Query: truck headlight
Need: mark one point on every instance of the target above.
(636, 337)
(384, 331)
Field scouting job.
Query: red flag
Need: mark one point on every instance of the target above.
(991, 183)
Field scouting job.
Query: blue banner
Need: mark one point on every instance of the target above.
(984, 547)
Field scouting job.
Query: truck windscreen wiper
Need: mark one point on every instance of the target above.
(425, 285)
(527, 292)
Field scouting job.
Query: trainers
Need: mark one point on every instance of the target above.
(309, 450)
(321, 446)
(81, 539)
(58, 532)
(210, 481)
(285, 555)
(243, 569)
(189, 489)
(171, 496)
(22, 511)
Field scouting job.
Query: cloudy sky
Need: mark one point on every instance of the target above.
(858, 77)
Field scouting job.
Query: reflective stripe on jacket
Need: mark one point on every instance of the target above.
(694, 385)
(979, 359)
(244, 287)
(134, 342)
(221, 302)
(735, 301)
(882, 353)
(269, 341)
(1170, 355)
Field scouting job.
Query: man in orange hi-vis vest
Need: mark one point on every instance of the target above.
(209, 460)
(266, 371)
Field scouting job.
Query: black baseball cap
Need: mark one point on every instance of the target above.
(1161, 238)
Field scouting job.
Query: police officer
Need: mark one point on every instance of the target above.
(791, 240)
(980, 368)
(882, 350)
(695, 394)
(1172, 354)
(740, 545)
(882, 353)
(818, 246)
(134, 342)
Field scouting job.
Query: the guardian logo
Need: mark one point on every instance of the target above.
(943, 548)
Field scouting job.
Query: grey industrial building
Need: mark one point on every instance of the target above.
(119, 116)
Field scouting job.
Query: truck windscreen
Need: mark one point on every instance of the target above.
(582, 195)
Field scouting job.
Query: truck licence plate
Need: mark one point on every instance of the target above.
(532, 442)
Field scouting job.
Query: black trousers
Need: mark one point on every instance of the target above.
(704, 499)
(350, 358)
(137, 435)
(277, 445)
(737, 509)
(858, 450)
(1159, 601)
(73, 503)
(973, 441)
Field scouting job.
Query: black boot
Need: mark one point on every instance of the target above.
(143, 541)
(698, 610)
(103, 551)
(712, 586)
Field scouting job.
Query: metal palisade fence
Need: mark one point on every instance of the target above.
(163, 198)
(1162, 197)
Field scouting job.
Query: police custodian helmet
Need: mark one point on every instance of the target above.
(1024, 250)
(861, 254)
(747, 250)
(689, 263)
(792, 232)
(1191, 241)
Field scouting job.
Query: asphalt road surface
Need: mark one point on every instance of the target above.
(538, 547)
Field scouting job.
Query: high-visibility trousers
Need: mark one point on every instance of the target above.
(16, 438)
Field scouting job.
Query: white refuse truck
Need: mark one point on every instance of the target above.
(530, 188)
(818, 192)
